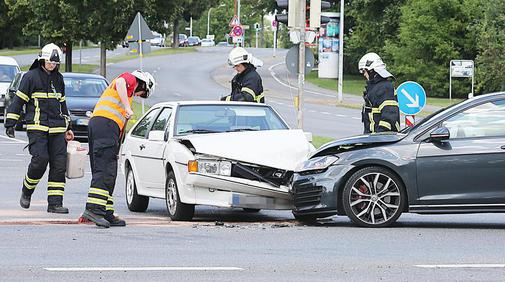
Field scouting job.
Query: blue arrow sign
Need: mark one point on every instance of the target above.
(411, 97)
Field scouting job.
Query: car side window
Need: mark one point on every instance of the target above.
(162, 120)
(143, 126)
(485, 120)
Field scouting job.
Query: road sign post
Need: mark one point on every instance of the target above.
(461, 68)
(411, 100)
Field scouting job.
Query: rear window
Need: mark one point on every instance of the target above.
(84, 87)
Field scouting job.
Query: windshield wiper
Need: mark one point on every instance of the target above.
(242, 129)
(198, 131)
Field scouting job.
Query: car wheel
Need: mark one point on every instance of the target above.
(374, 197)
(251, 210)
(177, 210)
(134, 201)
(305, 218)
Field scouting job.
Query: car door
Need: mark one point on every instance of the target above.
(152, 161)
(137, 143)
(469, 168)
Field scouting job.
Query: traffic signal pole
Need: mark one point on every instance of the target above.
(341, 53)
(301, 62)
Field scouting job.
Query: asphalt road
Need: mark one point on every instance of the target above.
(225, 244)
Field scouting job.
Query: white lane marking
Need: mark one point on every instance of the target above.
(339, 115)
(292, 87)
(476, 265)
(325, 113)
(10, 160)
(13, 139)
(156, 268)
(177, 94)
(356, 118)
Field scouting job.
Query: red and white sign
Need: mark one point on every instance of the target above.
(410, 121)
(237, 31)
(234, 21)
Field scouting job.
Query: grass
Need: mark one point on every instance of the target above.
(318, 141)
(158, 52)
(84, 68)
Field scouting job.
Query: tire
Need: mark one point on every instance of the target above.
(374, 197)
(251, 210)
(177, 210)
(134, 201)
(305, 218)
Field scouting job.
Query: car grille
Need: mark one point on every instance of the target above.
(80, 113)
(307, 196)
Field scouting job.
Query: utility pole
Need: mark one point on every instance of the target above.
(301, 62)
(341, 53)
(275, 32)
(190, 26)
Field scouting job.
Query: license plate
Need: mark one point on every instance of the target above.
(82, 121)
(2, 103)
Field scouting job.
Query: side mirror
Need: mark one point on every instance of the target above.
(440, 134)
(156, 135)
(308, 136)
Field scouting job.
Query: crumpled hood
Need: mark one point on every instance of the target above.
(282, 149)
(359, 140)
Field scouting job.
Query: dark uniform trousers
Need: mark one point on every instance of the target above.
(46, 149)
(103, 138)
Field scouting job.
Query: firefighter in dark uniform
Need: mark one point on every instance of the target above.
(42, 92)
(246, 85)
(106, 125)
(380, 111)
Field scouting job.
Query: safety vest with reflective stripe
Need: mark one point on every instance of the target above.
(110, 106)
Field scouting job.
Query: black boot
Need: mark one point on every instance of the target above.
(97, 219)
(115, 221)
(25, 200)
(57, 209)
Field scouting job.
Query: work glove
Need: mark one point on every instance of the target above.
(10, 132)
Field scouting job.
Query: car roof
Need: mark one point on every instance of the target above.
(210, 102)
(81, 75)
(4, 60)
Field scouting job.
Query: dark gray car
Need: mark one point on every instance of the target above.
(451, 162)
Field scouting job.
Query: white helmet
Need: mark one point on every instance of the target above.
(148, 79)
(372, 61)
(239, 55)
(51, 53)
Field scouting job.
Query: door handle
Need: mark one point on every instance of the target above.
(142, 147)
(503, 147)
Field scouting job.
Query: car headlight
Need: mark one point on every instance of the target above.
(210, 167)
(319, 163)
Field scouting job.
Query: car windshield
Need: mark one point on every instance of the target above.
(7, 73)
(84, 87)
(199, 119)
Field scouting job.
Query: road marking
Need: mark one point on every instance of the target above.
(13, 139)
(292, 87)
(486, 265)
(356, 118)
(156, 268)
(325, 113)
(10, 160)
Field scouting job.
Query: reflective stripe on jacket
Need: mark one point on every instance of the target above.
(380, 112)
(110, 106)
(247, 86)
(43, 95)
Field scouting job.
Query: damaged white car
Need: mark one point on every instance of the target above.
(225, 154)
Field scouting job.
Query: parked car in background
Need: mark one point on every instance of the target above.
(225, 154)
(9, 95)
(223, 44)
(158, 40)
(82, 92)
(193, 41)
(450, 162)
(183, 40)
(207, 42)
(8, 70)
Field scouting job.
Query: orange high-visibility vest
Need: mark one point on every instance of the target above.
(110, 106)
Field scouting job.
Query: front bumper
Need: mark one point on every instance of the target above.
(318, 193)
(224, 191)
(80, 126)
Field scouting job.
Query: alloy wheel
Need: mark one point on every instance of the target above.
(171, 196)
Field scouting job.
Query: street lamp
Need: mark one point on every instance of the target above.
(208, 19)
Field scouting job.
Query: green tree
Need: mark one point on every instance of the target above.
(491, 58)
(431, 34)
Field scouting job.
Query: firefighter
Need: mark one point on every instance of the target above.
(42, 92)
(246, 85)
(380, 111)
(106, 125)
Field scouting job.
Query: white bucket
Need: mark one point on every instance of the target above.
(76, 159)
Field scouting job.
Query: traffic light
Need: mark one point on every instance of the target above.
(291, 18)
(315, 7)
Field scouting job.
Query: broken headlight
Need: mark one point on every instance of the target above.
(319, 163)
